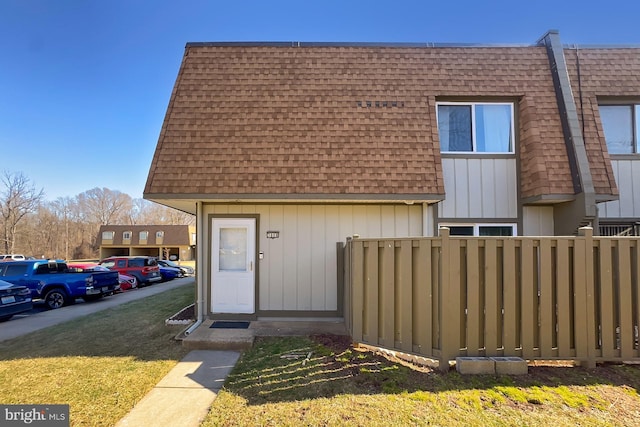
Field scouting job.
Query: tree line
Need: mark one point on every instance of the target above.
(67, 227)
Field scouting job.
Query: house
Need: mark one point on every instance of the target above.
(176, 242)
(281, 150)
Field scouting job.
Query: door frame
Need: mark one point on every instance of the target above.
(256, 271)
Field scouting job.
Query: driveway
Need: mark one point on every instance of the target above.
(36, 319)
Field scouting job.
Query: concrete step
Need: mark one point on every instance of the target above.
(206, 338)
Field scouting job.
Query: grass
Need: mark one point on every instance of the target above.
(101, 365)
(275, 383)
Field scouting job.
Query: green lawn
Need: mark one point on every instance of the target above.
(101, 365)
(337, 385)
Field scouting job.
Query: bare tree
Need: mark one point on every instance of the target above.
(154, 213)
(101, 206)
(18, 199)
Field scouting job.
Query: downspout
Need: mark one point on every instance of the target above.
(199, 275)
(425, 219)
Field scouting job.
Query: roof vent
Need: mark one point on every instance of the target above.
(380, 104)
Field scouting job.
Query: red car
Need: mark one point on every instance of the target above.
(126, 282)
(144, 268)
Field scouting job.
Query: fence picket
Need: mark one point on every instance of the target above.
(491, 307)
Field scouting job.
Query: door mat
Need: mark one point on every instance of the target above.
(220, 324)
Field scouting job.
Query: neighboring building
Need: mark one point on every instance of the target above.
(283, 149)
(176, 242)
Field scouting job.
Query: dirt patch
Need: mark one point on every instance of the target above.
(337, 343)
(187, 313)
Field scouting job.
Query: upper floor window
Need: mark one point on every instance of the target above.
(159, 234)
(126, 235)
(144, 235)
(621, 126)
(475, 127)
(107, 235)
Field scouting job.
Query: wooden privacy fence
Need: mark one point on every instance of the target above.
(568, 298)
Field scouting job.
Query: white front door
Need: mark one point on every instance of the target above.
(233, 266)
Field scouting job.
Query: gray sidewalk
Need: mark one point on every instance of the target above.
(23, 324)
(183, 397)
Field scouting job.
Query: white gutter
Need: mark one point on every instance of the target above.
(199, 267)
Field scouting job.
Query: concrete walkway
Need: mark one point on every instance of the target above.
(183, 397)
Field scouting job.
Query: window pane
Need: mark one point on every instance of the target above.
(493, 128)
(233, 249)
(454, 127)
(16, 270)
(617, 127)
(495, 230)
(462, 230)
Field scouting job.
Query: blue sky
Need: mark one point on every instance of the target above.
(84, 84)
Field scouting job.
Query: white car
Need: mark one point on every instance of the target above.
(12, 257)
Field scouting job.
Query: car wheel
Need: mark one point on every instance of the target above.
(55, 298)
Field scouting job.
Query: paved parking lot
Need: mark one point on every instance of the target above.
(40, 318)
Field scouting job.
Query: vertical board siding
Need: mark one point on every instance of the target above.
(479, 188)
(537, 221)
(627, 175)
(299, 269)
(538, 298)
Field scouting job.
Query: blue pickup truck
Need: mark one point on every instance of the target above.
(57, 285)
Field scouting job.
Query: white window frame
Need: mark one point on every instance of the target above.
(635, 126)
(146, 235)
(159, 234)
(107, 233)
(473, 126)
(476, 227)
(126, 235)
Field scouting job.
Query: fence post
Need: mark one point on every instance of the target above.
(448, 315)
(587, 288)
(344, 281)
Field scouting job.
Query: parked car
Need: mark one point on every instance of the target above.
(144, 268)
(12, 257)
(57, 285)
(184, 269)
(169, 273)
(14, 299)
(126, 282)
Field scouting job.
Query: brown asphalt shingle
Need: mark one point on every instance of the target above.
(606, 74)
(288, 121)
(174, 235)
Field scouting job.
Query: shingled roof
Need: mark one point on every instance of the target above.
(347, 122)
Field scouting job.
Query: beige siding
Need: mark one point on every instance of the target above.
(627, 174)
(537, 221)
(479, 188)
(299, 269)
